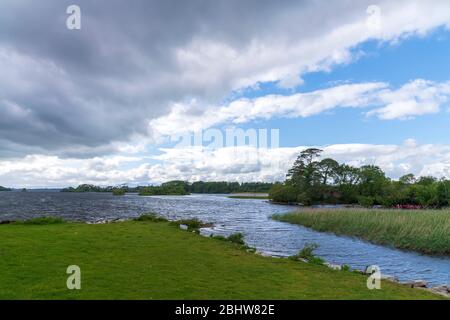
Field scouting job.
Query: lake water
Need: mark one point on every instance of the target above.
(251, 217)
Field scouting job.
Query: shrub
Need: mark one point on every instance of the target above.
(192, 224)
(221, 238)
(345, 267)
(236, 238)
(152, 217)
(307, 253)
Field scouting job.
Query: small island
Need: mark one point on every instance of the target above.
(119, 192)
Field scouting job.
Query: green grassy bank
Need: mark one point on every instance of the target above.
(156, 260)
(426, 231)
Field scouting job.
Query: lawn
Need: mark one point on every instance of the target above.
(156, 260)
(426, 231)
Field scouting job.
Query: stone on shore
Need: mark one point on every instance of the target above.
(333, 266)
(418, 284)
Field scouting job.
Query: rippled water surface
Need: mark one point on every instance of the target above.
(250, 217)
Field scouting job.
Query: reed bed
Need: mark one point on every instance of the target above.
(426, 231)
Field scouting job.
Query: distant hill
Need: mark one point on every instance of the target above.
(4, 189)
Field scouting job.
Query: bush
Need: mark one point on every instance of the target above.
(44, 221)
(221, 238)
(152, 217)
(236, 238)
(307, 253)
(345, 267)
(192, 224)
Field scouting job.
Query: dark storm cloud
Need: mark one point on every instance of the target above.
(64, 89)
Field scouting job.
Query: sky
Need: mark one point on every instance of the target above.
(150, 91)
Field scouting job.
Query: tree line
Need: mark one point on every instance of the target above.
(180, 187)
(313, 181)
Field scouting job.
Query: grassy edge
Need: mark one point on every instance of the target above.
(235, 244)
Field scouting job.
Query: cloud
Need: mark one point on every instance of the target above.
(242, 163)
(191, 116)
(89, 90)
(415, 98)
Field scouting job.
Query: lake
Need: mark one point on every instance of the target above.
(251, 217)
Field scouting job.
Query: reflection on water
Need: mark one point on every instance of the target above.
(250, 217)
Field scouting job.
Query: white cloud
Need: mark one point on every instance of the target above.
(229, 164)
(415, 98)
(186, 117)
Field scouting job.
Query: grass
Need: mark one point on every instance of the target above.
(43, 221)
(156, 260)
(426, 231)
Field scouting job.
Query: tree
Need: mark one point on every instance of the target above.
(443, 193)
(372, 181)
(408, 179)
(426, 181)
(283, 193)
(311, 181)
(347, 180)
(304, 174)
(328, 170)
(304, 169)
